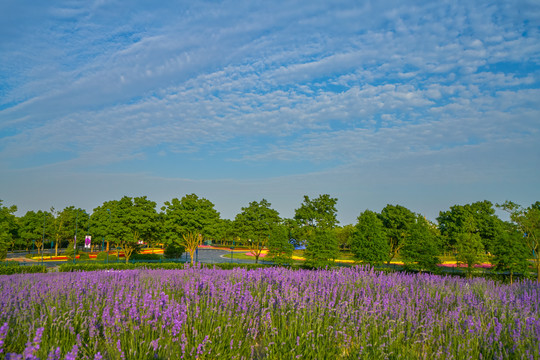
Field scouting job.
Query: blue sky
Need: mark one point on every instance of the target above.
(419, 103)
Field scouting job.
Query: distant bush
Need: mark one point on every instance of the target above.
(101, 255)
(70, 252)
(173, 251)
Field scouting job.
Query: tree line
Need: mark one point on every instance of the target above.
(469, 233)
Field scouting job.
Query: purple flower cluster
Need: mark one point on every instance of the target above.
(200, 313)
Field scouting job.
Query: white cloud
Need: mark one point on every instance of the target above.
(319, 83)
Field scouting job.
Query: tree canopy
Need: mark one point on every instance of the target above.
(369, 240)
(255, 223)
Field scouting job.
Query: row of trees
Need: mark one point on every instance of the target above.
(469, 232)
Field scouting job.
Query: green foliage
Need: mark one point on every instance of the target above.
(20, 269)
(369, 239)
(83, 256)
(255, 224)
(152, 257)
(322, 248)
(470, 249)
(101, 222)
(344, 235)
(479, 215)
(280, 250)
(527, 221)
(511, 253)
(63, 226)
(32, 227)
(422, 246)
(134, 219)
(318, 213)
(229, 266)
(191, 214)
(69, 267)
(112, 258)
(70, 252)
(397, 221)
(174, 250)
(101, 256)
(8, 229)
(221, 230)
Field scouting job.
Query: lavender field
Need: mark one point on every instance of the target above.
(271, 313)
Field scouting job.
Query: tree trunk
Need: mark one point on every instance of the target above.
(191, 255)
(56, 247)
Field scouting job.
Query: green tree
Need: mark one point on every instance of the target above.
(62, 226)
(191, 214)
(511, 252)
(486, 224)
(280, 249)
(422, 245)
(33, 228)
(101, 223)
(222, 231)
(322, 248)
(191, 242)
(316, 218)
(397, 221)
(369, 241)
(344, 235)
(294, 232)
(133, 221)
(74, 222)
(469, 246)
(254, 224)
(318, 213)
(8, 229)
(527, 221)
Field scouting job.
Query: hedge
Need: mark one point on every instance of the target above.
(69, 267)
(16, 269)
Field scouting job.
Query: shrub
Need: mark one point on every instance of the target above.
(16, 269)
(173, 251)
(3, 252)
(102, 256)
(118, 266)
(229, 266)
(69, 253)
(145, 257)
(84, 256)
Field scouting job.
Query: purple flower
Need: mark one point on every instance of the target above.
(72, 355)
(3, 334)
(54, 354)
(32, 347)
